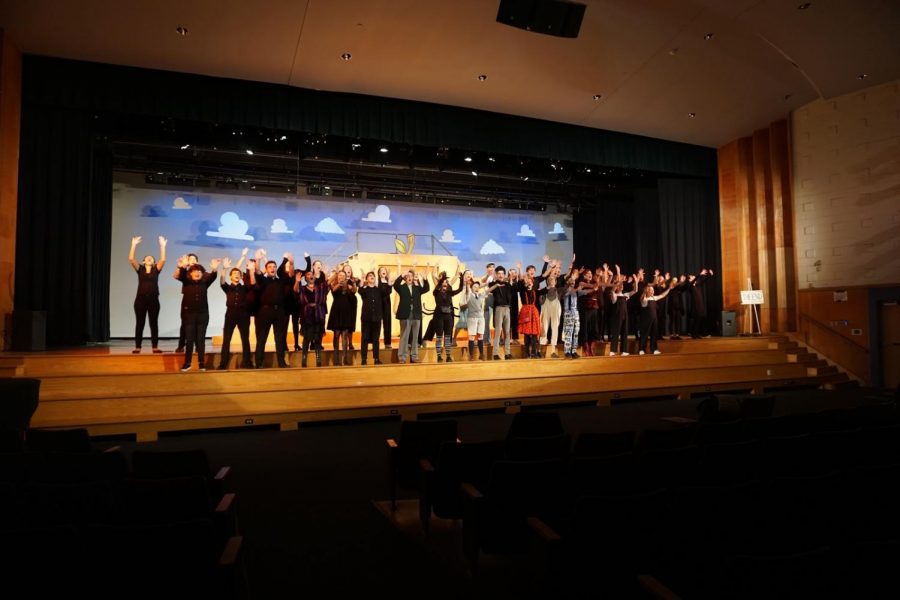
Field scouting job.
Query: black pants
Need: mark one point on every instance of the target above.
(514, 319)
(241, 320)
(618, 332)
(295, 325)
(370, 331)
(675, 323)
(195, 334)
(649, 328)
(145, 306)
(386, 322)
(275, 318)
(698, 325)
(312, 336)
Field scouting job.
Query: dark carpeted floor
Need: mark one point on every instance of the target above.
(306, 501)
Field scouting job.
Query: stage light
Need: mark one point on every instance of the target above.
(284, 137)
(525, 178)
(383, 150)
(468, 159)
(475, 173)
(186, 146)
(250, 152)
(492, 159)
(355, 146)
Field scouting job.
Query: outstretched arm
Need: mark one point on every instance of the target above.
(242, 258)
(134, 242)
(162, 253)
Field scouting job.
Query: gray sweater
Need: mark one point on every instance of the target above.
(474, 303)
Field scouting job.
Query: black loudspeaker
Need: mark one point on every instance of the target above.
(552, 17)
(29, 331)
(729, 323)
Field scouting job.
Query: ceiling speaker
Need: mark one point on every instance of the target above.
(551, 17)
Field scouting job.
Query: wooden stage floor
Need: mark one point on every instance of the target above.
(110, 391)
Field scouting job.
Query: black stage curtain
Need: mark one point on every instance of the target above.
(691, 239)
(63, 225)
(605, 233)
(129, 90)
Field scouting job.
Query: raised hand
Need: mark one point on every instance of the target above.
(163, 241)
(214, 264)
(251, 265)
(245, 251)
(182, 261)
(546, 258)
(306, 255)
(136, 240)
(226, 262)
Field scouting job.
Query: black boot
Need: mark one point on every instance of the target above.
(318, 357)
(338, 358)
(223, 361)
(471, 350)
(303, 359)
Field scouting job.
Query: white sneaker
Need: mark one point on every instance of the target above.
(626, 354)
(203, 369)
(657, 352)
(612, 353)
(185, 368)
(641, 353)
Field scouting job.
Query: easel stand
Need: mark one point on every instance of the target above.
(750, 298)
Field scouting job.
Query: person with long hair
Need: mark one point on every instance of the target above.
(551, 309)
(354, 305)
(649, 318)
(146, 301)
(237, 312)
(462, 319)
(342, 318)
(571, 322)
(618, 312)
(529, 317)
(698, 303)
(675, 306)
(384, 283)
(312, 297)
(443, 316)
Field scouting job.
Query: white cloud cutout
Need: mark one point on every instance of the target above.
(180, 203)
(232, 227)
(557, 229)
(280, 226)
(328, 225)
(525, 231)
(448, 237)
(492, 247)
(381, 214)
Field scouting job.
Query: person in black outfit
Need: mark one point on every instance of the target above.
(649, 318)
(195, 282)
(373, 299)
(312, 295)
(676, 306)
(617, 307)
(384, 282)
(237, 312)
(443, 316)
(698, 305)
(191, 261)
(146, 301)
(272, 313)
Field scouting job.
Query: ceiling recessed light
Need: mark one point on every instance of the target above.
(673, 51)
(181, 30)
(804, 6)
(708, 36)
(383, 150)
(468, 159)
(346, 56)
(482, 77)
(692, 115)
(862, 76)
(597, 97)
(248, 151)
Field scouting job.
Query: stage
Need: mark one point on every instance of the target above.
(110, 391)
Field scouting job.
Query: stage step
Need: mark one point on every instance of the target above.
(146, 394)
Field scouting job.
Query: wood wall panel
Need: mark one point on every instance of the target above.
(10, 111)
(827, 326)
(756, 208)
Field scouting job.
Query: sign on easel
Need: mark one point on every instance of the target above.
(751, 296)
(751, 299)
